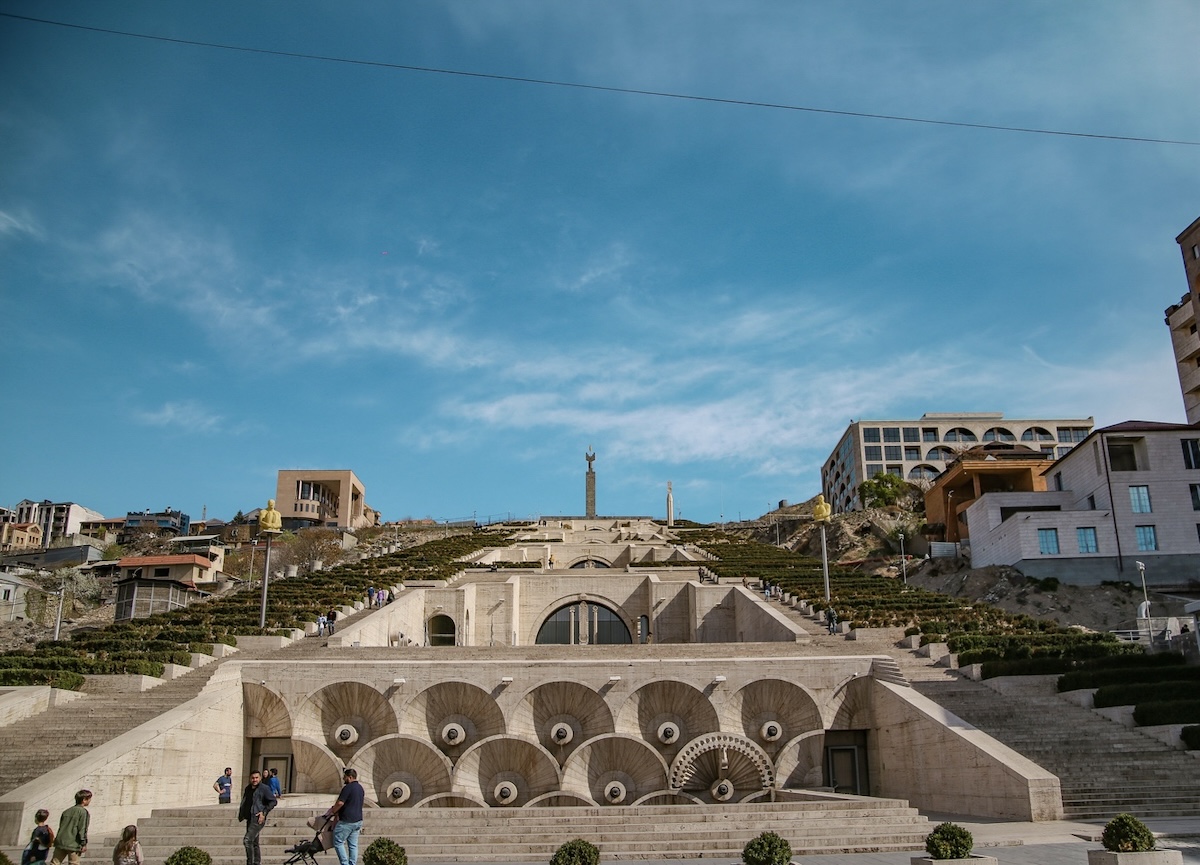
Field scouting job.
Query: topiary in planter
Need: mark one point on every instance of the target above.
(767, 849)
(1127, 834)
(4, 860)
(948, 841)
(576, 852)
(383, 851)
(189, 856)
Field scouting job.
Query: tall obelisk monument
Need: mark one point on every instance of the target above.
(670, 506)
(590, 456)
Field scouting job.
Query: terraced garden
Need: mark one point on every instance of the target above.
(143, 646)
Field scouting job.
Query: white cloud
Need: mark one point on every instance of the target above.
(189, 416)
(14, 224)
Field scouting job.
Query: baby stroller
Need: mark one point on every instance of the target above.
(304, 852)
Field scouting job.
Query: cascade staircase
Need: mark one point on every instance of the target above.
(842, 824)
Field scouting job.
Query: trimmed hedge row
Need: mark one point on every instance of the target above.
(1191, 737)
(63, 679)
(1138, 694)
(1129, 669)
(1167, 712)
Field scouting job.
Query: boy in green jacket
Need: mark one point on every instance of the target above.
(71, 841)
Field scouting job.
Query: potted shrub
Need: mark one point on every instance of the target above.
(950, 843)
(767, 849)
(383, 851)
(1128, 841)
(576, 852)
(189, 856)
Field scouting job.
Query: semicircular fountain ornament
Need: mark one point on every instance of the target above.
(722, 768)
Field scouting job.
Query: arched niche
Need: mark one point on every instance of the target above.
(453, 716)
(614, 769)
(721, 767)
(506, 772)
(451, 800)
(668, 797)
(850, 706)
(265, 713)
(773, 711)
(345, 716)
(316, 768)
(800, 764)
(561, 716)
(441, 630)
(667, 706)
(400, 771)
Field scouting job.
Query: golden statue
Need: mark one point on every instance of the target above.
(821, 510)
(270, 520)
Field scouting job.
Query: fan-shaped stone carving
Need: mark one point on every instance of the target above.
(400, 771)
(851, 705)
(317, 769)
(265, 712)
(614, 770)
(562, 716)
(772, 711)
(560, 800)
(668, 797)
(800, 763)
(654, 709)
(346, 715)
(451, 800)
(454, 716)
(505, 771)
(721, 767)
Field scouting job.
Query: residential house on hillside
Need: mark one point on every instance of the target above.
(158, 584)
(1128, 493)
(20, 536)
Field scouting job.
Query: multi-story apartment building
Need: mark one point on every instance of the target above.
(15, 537)
(921, 449)
(333, 498)
(1128, 493)
(1181, 319)
(56, 519)
(166, 523)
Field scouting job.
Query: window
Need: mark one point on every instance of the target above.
(1191, 453)
(958, 434)
(1147, 538)
(1195, 488)
(891, 452)
(871, 434)
(1139, 500)
(891, 433)
(1048, 542)
(1070, 434)
(929, 434)
(1091, 503)
(1058, 484)
(922, 473)
(912, 434)
(162, 572)
(874, 469)
(898, 471)
(1038, 434)
(1196, 250)
(1087, 540)
(873, 452)
(912, 454)
(998, 434)
(1122, 455)
(1062, 452)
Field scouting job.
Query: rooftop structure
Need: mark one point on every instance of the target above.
(919, 450)
(333, 498)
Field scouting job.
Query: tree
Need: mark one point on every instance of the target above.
(882, 490)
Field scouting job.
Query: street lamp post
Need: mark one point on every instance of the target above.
(270, 523)
(903, 560)
(821, 513)
(1145, 606)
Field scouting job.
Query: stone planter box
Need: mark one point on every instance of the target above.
(974, 860)
(1154, 857)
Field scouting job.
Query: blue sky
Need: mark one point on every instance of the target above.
(215, 264)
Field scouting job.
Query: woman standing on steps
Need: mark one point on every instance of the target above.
(128, 851)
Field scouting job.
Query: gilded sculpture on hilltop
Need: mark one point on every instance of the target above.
(821, 510)
(269, 520)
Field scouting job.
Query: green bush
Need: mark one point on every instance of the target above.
(1141, 692)
(948, 841)
(1167, 712)
(189, 856)
(576, 852)
(63, 679)
(767, 849)
(1191, 737)
(1127, 834)
(383, 851)
(4, 860)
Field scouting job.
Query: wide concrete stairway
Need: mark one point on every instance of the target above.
(1104, 768)
(833, 825)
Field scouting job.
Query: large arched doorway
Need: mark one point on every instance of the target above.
(441, 631)
(583, 622)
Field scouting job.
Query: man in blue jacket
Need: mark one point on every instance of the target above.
(349, 811)
(257, 802)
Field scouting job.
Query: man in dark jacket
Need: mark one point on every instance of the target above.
(257, 802)
(349, 810)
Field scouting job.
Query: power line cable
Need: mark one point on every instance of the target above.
(549, 82)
